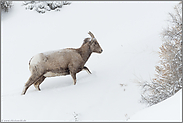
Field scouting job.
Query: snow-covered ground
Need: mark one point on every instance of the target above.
(128, 33)
(169, 110)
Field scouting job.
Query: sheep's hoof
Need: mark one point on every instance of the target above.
(38, 89)
(22, 93)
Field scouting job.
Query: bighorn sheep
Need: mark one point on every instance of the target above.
(67, 61)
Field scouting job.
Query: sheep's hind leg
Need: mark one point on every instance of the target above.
(38, 82)
(32, 79)
(85, 68)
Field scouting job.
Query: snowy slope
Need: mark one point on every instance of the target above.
(128, 33)
(169, 110)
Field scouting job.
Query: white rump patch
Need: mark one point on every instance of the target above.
(36, 59)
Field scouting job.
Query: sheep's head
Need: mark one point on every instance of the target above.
(94, 45)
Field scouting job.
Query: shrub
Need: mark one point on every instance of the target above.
(6, 5)
(43, 6)
(168, 77)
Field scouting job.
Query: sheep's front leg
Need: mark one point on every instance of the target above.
(87, 70)
(74, 77)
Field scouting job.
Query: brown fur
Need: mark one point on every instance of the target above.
(62, 62)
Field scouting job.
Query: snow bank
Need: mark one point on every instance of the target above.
(169, 110)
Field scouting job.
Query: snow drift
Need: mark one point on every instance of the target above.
(169, 110)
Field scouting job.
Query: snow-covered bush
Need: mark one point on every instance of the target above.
(168, 77)
(6, 5)
(43, 6)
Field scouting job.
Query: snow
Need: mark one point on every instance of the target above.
(128, 33)
(169, 110)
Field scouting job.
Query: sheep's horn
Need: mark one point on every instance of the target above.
(92, 36)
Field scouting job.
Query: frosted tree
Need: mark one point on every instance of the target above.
(6, 5)
(43, 6)
(168, 77)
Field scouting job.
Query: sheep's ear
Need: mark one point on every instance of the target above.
(85, 41)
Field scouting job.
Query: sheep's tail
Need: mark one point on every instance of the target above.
(29, 65)
(30, 60)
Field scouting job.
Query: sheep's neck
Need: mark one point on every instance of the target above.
(85, 52)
